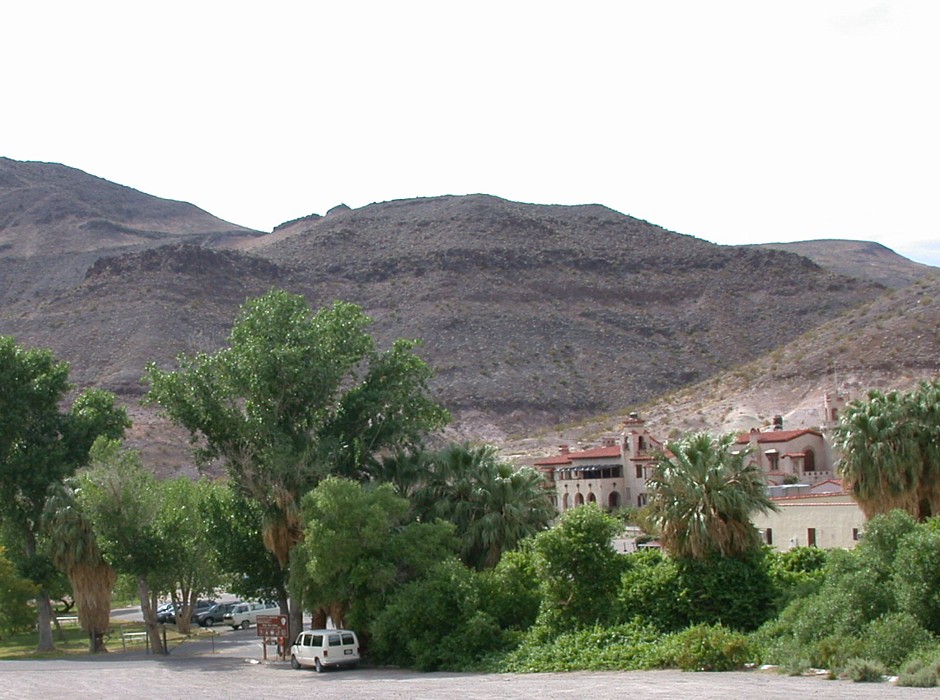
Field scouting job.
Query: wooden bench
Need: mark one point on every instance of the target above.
(135, 638)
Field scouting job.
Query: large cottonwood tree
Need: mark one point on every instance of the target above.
(296, 396)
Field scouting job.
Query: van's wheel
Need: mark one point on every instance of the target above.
(208, 622)
(245, 624)
(318, 665)
(294, 663)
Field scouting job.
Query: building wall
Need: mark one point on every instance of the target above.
(836, 519)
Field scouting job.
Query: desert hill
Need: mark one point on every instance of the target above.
(531, 315)
(863, 259)
(56, 221)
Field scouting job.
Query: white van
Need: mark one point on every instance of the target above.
(245, 615)
(325, 648)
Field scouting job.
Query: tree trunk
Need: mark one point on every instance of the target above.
(148, 606)
(295, 621)
(44, 605)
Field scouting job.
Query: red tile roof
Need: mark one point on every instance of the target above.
(604, 452)
(776, 435)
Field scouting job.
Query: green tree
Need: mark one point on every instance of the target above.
(123, 502)
(294, 397)
(16, 613)
(890, 446)
(579, 568)
(182, 523)
(493, 504)
(702, 496)
(362, 543)
(234, 526)
(74, 550)
(41, 444)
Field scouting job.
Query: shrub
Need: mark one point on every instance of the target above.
(892, 638)
(705, 648)
(437, 622)
(651, 592)
(622, 647)
(865, 670)
(732, 591)
(920, 674)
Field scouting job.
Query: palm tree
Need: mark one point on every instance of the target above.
(74, 549)
(702, 496)
(890, 446)
(494, 505)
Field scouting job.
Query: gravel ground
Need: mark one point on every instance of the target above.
(231, 665)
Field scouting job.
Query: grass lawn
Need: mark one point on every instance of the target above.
(71, 640)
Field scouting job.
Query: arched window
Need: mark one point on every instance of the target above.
(809, 461)
(578, 500)
(564, 502)
(613, 501)
(592, 498)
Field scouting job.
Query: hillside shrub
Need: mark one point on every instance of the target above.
(705, 648)
(918, 673)
(865, 671)
(437, 622)
(916, 579)
(651, 592)
(893, 638)
(735, 592)
(621, 647)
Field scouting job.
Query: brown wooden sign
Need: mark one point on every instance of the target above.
(272, 626)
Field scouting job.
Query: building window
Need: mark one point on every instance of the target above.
(578, 500)
(591, 498)
(811, 537)
(564, 502)
(773, 460)
(809, 461)
(769, 535)
(641, 500)
(855, 534)
(639, 471)
(613, 501)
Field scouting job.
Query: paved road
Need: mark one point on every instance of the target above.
(231, 665)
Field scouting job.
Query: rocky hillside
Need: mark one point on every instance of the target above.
(862, 259)
(531, 315)
(56, 221)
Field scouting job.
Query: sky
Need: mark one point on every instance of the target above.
(732, 121)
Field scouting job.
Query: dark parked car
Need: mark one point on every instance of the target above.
(214, 613)
(168, 613)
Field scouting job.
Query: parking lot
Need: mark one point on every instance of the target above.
(230, 664)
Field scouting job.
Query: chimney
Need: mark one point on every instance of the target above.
(778, 422)
(563, 449)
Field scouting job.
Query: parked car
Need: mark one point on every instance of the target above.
(245, 615)
(168, 612)
(322, 649)
(214, 614)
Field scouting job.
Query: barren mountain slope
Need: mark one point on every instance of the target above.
(892, 342)
(55, 221)
(862, 259)
(533, 314)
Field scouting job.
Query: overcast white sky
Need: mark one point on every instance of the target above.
(736, 122)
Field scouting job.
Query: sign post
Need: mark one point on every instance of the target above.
(273, 627)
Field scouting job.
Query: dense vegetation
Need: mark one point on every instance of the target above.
(442, 559)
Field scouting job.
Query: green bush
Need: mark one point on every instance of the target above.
(622, 647)
(705, 648)
(920, 674)
(651, 592)
(865, 670)
(437, 622)
(893, 638)
(735, 592)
